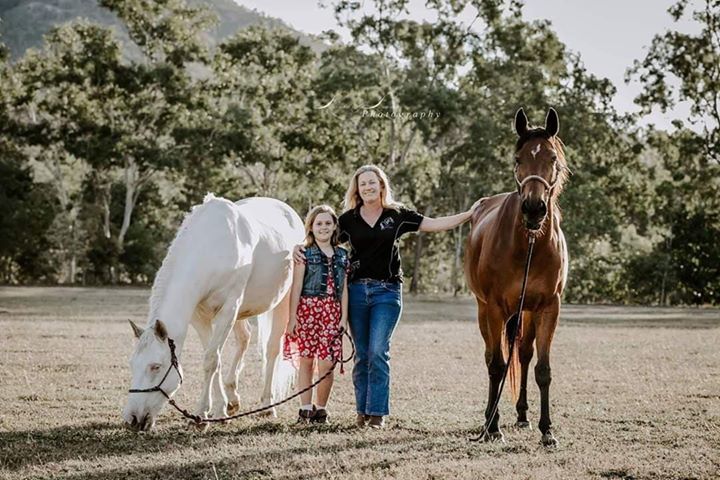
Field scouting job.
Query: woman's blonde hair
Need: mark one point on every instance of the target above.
(310, 219)
(352, 196)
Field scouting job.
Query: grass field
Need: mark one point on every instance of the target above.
(635, 395)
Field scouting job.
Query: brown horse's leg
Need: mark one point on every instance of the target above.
(545, 330)
(526, 353)
(495, 365)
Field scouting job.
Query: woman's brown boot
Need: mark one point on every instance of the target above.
(376, 421)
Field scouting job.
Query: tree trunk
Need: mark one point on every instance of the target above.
(106, 194)
(73, 246)
(666, 267)
(131, 187)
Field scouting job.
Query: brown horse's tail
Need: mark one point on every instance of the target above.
(512, 334)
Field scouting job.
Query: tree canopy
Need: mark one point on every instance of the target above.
(102, 154)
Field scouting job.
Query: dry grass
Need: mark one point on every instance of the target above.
(635, 394)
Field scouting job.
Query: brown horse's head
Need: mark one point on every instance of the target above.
(540, 168)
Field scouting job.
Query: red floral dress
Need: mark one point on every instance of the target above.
(318, 328)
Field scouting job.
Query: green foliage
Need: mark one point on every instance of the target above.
(119, 147)
(25, 22)
(682, 67)
(26, 215)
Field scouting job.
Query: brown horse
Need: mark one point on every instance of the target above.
(495, 260)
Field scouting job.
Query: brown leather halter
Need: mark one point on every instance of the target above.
(173, 364)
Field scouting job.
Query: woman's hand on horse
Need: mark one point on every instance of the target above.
(299, 254)
(475, 205)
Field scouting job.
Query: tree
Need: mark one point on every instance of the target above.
(26, 216)
(66, 89)
(262, 84)
(685, 67)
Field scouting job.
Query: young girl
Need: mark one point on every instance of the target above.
(318, 309)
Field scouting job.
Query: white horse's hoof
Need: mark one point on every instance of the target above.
(233, 408)
(222, 413)
(523, 425)
(549, 441)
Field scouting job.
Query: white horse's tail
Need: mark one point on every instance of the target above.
(284, 374)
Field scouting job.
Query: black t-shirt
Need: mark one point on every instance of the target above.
(374, 252)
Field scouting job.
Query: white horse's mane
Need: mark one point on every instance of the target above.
(164, 273)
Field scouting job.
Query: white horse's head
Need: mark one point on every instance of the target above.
(150, 362)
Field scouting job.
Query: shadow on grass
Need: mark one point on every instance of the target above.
(245, 467)
(93, 441)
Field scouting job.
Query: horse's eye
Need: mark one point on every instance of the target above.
(554, 158)
(154, 367)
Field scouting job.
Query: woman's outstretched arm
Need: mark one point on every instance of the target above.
(440, 224)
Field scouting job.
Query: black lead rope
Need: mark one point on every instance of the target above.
(513, 331)
(200, 420)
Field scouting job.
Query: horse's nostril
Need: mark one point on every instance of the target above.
(536, 208)
(524, 208)
(134, 421)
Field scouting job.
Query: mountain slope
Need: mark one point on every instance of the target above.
(24, 22)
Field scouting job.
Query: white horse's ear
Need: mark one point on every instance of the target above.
(136, 330)
(160, 330)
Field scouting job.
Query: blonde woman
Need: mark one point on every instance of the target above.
(372, 223)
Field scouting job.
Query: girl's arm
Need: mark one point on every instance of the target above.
(441, 224)
(295, 291)
(344, 304)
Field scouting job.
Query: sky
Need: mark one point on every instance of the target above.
(609, 35)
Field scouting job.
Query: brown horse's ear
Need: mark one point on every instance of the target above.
(160, 330)
(552, 122)
(136, 330)
(521, 122)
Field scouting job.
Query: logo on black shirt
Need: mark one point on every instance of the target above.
(387, 223)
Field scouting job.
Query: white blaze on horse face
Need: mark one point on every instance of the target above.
(535, 150)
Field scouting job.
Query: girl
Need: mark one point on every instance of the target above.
(318, 310)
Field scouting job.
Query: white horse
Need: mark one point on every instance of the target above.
(228, 262)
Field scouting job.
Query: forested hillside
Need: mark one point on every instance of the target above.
(24, 22)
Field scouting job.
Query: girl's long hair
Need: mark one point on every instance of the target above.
(310, 219)
(352, 196)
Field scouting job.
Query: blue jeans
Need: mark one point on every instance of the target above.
(374, 311)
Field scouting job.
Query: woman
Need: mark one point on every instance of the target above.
(372, 223)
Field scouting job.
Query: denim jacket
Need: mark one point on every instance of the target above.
(316, 271)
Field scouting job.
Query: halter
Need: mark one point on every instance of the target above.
(200, 420)
(173, 364)
(548, 186)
